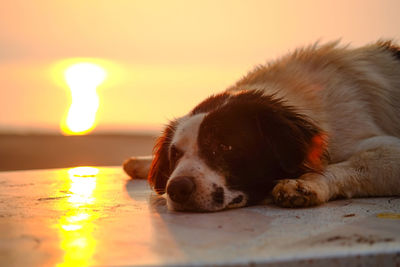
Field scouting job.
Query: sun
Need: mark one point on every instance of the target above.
(82, 78)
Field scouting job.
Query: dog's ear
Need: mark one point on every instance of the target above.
(291, 137)
(160, 167)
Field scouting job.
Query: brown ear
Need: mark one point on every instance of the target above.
(295, 140)
(160, 166)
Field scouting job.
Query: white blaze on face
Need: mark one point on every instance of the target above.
(185, 137)
(191, 164)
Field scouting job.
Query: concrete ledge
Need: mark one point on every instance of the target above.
(50, 217)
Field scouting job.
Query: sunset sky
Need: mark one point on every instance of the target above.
(162, 57)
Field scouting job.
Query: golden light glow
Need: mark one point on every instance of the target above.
(77, 225)
(83, 171)
(82, 79)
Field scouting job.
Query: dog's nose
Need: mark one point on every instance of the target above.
(180, 188)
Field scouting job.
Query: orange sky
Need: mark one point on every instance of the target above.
(169, 54)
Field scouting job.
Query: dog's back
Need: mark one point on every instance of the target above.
(383, 85)
(351, 93)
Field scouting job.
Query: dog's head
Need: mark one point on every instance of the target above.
(230, 151)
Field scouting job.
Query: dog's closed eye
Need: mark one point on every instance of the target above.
(174, 154)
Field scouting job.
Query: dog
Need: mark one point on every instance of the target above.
(318, 124)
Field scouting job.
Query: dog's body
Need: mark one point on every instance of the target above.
(319, 124)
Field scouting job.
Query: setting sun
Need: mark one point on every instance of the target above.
(82, 79)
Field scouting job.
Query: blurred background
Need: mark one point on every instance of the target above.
(159, 58)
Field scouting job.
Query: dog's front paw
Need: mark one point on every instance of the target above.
(137, 167)
(295, 193)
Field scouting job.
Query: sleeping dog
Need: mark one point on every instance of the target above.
(319, 124)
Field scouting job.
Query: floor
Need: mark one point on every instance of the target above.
(97, 216)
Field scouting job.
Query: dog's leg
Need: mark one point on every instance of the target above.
(138, 167)
(374, 170)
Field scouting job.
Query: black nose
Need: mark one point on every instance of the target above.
(180, 188)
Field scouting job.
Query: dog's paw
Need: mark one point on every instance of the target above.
(137, 167)
(296, 193)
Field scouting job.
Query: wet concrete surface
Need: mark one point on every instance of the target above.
(98, 216)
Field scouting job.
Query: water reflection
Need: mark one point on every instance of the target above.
(77, 225)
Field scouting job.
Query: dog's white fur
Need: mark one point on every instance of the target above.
(353, 95)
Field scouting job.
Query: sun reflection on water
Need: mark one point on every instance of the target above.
(76, 227)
